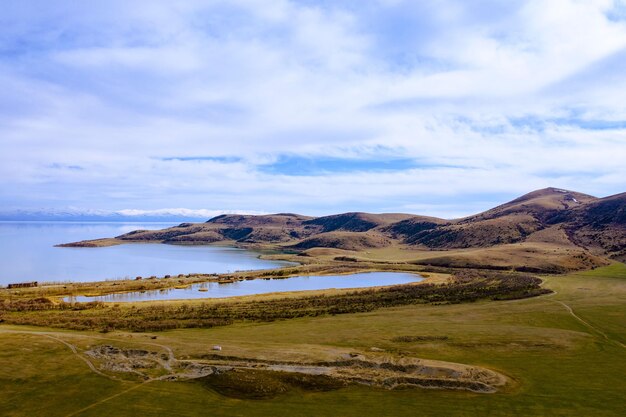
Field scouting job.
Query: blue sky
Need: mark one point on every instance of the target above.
(434, 107)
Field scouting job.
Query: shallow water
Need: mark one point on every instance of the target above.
(261, 286)
(27, 253)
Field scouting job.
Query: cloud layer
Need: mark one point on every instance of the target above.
(441, 107)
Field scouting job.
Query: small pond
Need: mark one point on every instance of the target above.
(261, 286)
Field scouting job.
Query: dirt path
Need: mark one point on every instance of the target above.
(587, 324)
(72, 347)
(84, 359)
(571, 312)
(166, 348)
(108, 398)
(91, 366)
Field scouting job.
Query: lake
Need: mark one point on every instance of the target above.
(261, 286)
(27, 253)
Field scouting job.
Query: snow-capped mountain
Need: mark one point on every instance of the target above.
(125, 215)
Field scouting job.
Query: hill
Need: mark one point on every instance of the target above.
(599, 226)
(536, 203)
(352, 241)
(357, 222)
(231, 228)
(511, 222)
(550, 230)
(296, 231)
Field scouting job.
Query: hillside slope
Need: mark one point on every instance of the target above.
(356, 222)
(550, 229)
(599, 226)
(275, 228)
(511, 222)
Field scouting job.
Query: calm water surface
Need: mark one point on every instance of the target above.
(261, 286)
(27, 253)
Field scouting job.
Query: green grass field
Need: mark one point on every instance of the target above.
(562, 364)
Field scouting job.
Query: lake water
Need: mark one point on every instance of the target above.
(27, 253)
(261, 286)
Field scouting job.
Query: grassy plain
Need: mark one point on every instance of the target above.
(565, 353)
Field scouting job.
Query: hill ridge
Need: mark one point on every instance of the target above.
(571, 223)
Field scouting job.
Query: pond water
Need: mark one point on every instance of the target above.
(27, 253)
(261, 286)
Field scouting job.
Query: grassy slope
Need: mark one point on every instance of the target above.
(563, 367)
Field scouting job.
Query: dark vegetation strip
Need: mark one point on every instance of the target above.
(262, 384)
(465, 286)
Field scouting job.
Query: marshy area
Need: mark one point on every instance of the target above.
(41, 306)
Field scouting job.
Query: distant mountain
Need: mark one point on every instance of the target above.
(128, 215)
(549, 230)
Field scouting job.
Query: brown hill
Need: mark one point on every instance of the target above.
(412, 226)
(508, 223)
(599, 226)
(282, 228)
(356, 222)
(509, 228)
(274, 220)
(536, 203)
(276, 228)
(353, 241)
(549, 229)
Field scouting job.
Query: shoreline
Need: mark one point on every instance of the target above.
(154, 283)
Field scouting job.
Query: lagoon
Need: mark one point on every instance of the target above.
(27, 253)
(260, 286)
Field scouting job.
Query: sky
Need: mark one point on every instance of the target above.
(438, 107)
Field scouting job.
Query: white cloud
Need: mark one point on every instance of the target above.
(115, 88)
(182, 212)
